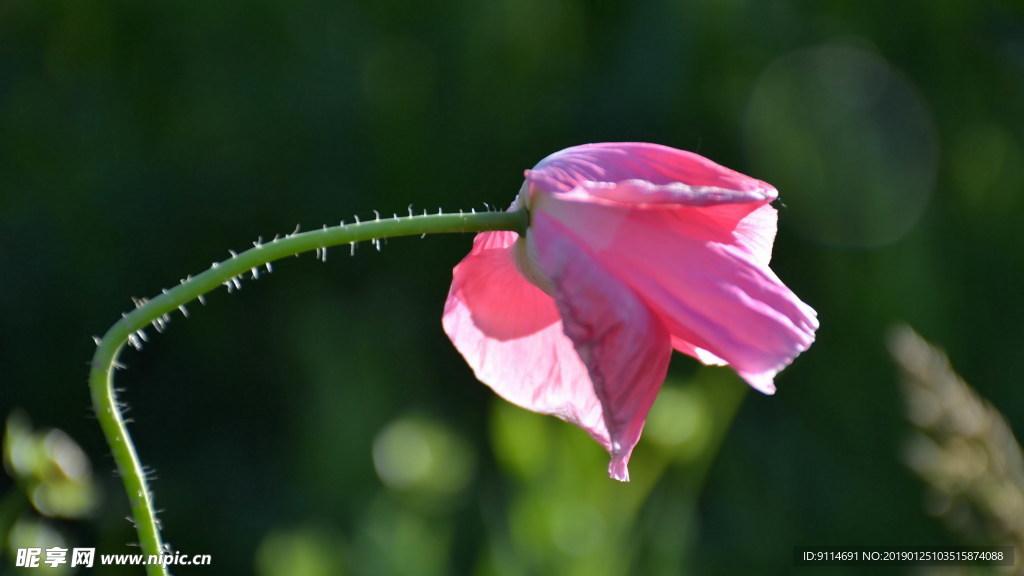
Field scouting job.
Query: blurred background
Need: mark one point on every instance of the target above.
(319, 422)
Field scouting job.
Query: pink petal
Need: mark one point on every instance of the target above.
(705, 357)
(640, 172)
(707, 283)
(756, 233)
(511, 335)
(654, 176)
(633, 249)
(624, 346)
(504, 306)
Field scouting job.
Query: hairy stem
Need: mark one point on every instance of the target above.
(155, 312)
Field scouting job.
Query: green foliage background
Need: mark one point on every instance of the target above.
(139, 141)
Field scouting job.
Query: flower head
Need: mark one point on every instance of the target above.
(633, 250)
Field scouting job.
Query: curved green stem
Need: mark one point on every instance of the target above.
(155, 312)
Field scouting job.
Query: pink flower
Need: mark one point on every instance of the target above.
(633, 250)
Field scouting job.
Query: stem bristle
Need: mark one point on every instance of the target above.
(129, 330)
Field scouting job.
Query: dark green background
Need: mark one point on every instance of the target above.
(139, 141)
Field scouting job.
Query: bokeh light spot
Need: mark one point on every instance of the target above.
(578, 528)
(415, 454)
(847, 140)
(301, 551)
(680, 421)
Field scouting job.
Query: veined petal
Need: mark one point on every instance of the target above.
(624, 346)
(708, 285)
(705, 357)
(633, 249)
(511, 335)
(652, 176)
(638, 172)
(756, 233)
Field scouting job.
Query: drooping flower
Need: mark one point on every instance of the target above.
(632, 250)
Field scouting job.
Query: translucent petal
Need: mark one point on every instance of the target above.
(708, 284)
(642, 172)
(511, 335)
(624, 346)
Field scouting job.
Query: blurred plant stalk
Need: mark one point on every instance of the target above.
(962, 448)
